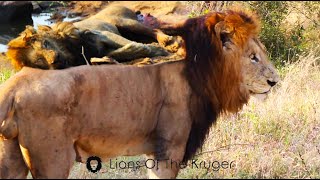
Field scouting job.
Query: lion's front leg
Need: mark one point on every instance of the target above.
(171, 136)
(12, 165)
(163, 39)
(167, 168)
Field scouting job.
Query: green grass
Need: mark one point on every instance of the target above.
(5, 74)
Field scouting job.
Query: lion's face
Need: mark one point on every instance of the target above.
(259, 75)
(46, 53)
(44, 49)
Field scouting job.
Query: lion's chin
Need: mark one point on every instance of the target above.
(260, 97)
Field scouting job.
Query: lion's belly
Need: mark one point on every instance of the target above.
(115, 117)
(118, 132)
(118, 135)
(109, 147)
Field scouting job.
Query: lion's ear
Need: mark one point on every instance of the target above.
(224, 33)
(25, 37)
(44, 28)
(28, 34)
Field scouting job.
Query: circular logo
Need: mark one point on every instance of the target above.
(94, 164)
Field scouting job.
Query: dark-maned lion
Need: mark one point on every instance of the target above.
(107, 33)
(163, 110)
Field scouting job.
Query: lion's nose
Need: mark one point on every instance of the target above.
(271, 83)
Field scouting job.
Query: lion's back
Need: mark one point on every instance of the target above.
(83, 86)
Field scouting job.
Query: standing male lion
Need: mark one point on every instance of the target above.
(163, 111)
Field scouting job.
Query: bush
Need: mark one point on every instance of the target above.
(284, 42)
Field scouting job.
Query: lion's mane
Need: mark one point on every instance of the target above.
(214, 74)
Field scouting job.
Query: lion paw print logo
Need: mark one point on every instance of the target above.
(94, 164)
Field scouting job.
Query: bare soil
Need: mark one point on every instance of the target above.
(168, 11)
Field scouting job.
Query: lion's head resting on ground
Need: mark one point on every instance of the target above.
(226, 63)
(55, 47)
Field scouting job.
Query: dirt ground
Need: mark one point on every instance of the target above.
(86, 8)
(169, 11)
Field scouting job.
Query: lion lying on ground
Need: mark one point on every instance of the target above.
(107, 33)
(57, 116)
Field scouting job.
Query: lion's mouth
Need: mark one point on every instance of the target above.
(265, 92)
(251, 92)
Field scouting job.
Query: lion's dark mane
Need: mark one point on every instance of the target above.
(213, 77)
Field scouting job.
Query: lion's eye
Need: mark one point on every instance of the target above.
(39, 61)
(254, 58)
(45, 44)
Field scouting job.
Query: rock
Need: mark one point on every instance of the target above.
(36, 7)
(11, 11)
(44, 5)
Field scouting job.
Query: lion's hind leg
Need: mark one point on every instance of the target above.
(129, 25)
(48, 151)
(49, 159)
(12, 165)
(54, 161)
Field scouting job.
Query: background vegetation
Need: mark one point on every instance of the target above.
(276, 138)
(288, 28)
